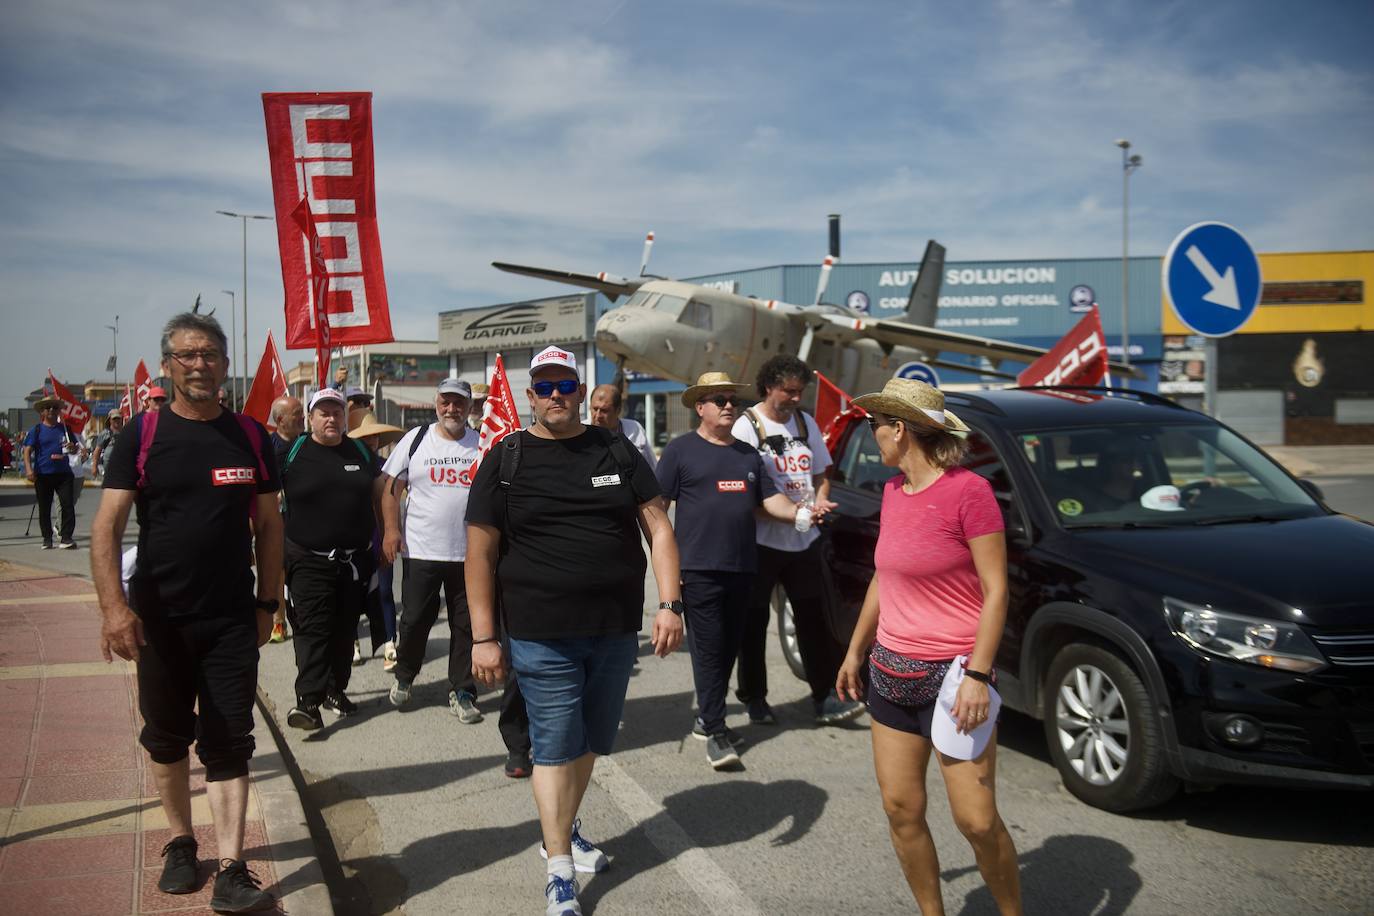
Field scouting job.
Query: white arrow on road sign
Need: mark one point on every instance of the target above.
(1223, 287)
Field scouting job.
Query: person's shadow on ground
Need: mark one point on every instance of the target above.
(1075, 874)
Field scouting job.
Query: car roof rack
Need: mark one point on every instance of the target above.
(1148, 397)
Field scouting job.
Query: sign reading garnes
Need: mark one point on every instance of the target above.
(524, 324)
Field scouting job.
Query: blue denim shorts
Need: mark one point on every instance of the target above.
(574, 690)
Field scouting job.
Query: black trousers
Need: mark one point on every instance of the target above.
(717, 603)
(420, 584)
(514, 723)
(45, 485)
(205, 662)
(327, 597)
(803, 577)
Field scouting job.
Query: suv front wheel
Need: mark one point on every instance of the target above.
(1103, 731)
(787, 632)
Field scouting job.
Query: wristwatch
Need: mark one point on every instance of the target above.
(677, 607)
(269, 605)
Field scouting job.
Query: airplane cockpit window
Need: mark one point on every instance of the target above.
(696, 315)
(673, 305)
(638, 299)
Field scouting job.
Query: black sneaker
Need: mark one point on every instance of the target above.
(305, 715)
(760, 713)
(832, 710)
(519, 765)
(47, 545)
(337, 703)
(237, 890)
(179, 871)
(719, 753)
(699, 733)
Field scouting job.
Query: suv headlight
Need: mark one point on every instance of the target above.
(1267, 643)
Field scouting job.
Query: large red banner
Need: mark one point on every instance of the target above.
(269, 383)
(75, 413)
(1080, 357)
(142, 382)
(320, 147)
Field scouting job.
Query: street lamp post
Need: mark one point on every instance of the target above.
(114, 360)
(244, 217)
(233, 345)
(1129, 163)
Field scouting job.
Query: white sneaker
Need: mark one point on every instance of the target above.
(388, 656)
(561, 894)
(586, 857)
(400, 693)
(357, 653)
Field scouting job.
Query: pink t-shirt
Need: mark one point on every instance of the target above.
(929, 597)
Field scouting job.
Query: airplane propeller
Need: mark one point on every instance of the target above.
(644, 260)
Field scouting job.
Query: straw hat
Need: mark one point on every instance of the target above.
(708, 384)
(45, 403)
(388, 435)
(913, 401)
(480, 391)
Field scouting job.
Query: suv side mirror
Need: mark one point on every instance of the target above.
(1312, 489)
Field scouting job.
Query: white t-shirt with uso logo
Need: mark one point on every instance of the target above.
(438, 476)
(802, 455)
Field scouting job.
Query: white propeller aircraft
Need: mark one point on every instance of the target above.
(679, 330)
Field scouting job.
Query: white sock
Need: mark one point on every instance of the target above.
(562, 866)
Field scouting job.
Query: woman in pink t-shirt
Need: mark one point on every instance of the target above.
(939, 591)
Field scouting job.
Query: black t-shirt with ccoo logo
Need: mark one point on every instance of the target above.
(195, 541)
(571, 561)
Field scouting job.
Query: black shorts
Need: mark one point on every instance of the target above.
(914, 720)
(213, 660)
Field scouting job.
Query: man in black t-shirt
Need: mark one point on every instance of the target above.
(719, 483)
(331, 492)
(557, 532)
(288, 416)
(205, 487)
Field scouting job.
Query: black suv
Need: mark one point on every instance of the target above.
(1181, 608)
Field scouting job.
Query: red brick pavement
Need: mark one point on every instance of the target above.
(83, 828)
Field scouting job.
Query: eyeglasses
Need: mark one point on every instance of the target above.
(189, 357)
(46, 409)
(722, 400)
(874, 422)
(564, 386)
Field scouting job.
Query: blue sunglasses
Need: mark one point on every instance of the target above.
(565, 386)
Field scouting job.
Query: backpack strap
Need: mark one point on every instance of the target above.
(511, 448)
(256, 441)
(415, 443)
(758, 426)
(291, 455)
(362, 450)
(147, 428)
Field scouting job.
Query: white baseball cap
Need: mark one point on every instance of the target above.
(1164, 498)
(326, 394)
(944, 732)
(554, 356)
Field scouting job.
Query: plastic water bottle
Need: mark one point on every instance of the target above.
(806, 510)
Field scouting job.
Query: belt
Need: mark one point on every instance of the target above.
(340, 555)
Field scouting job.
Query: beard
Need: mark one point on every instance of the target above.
(452, 426)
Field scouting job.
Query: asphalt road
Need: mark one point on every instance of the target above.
(423, 821)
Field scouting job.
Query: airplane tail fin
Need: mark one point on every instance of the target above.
(925, 292)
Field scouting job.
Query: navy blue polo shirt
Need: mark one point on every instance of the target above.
(47, 441)
(716, 488)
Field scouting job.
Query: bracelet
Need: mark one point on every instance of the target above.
(478, 642)
(978, 675)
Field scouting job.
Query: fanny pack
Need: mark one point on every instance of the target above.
(904, 680)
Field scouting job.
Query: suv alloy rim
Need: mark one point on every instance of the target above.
(787, 632)
(1094, 730)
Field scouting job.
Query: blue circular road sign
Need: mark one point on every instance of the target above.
(1211, 278)
(918, 371)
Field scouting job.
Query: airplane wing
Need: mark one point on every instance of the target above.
(609, 284)
(933, 340)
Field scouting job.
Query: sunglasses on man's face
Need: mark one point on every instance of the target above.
(564, 386)
(723, 400)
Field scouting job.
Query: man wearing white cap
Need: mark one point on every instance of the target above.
(554, 528)
(434, 464)
(331, 491)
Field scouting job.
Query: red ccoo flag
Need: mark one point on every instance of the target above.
(835, 410)
(126, 403)
(74, 412)
(142, 382)
(319, 287)
(1080, 357)
(269, 383)
(500, 417)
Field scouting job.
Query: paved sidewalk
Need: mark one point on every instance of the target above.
(83, 827)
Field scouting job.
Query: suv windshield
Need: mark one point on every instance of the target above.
(1151, 475)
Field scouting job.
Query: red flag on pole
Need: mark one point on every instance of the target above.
(500, 417)
(269, 383)
(74, 412)
(831, 401)
(319, 287)
(126, 403)
(1080, 357)
(142, 382)
(319, 146)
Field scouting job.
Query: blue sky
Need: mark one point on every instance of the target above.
(557, 134)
